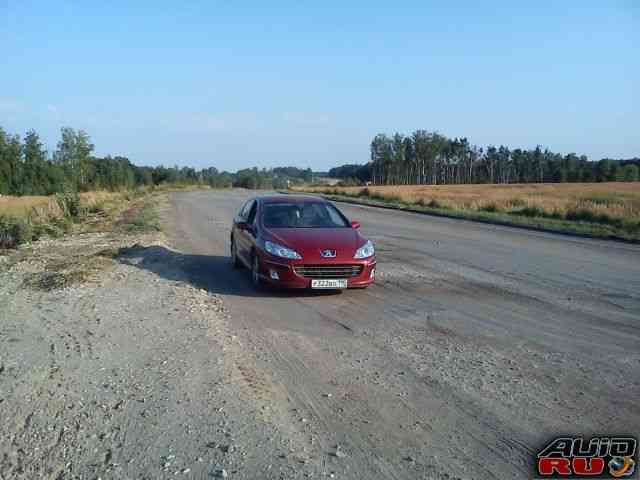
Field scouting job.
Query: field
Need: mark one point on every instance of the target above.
(21, 206)
(605, 209)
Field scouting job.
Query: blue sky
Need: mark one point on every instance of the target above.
(237, 84)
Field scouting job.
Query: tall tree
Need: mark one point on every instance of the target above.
(10, 163)
(36, 171)
(73, 153)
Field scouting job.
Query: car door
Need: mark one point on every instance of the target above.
(241, 235)
(250, 232)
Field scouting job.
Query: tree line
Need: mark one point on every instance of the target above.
(430, 158)
(26, 168)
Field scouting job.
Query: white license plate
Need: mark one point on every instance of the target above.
(329, 283)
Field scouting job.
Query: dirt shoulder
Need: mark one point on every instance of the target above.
(113, 366)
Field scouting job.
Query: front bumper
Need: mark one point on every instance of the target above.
(287, 277)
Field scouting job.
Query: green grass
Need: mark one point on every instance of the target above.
(140, 218)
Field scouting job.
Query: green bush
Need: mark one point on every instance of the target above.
(491, 208)
(55, 227)
(532, 211)
(14, 231)
(145, 219)
(582, 215)
(69, 202)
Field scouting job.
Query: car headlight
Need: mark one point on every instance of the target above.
(280, 251)
(365, 251)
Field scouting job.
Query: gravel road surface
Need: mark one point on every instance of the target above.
(146, 356)
(477, 344)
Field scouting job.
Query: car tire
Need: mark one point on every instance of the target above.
(255, 271)
(235, 261)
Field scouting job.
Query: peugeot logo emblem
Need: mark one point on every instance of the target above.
(328, 253)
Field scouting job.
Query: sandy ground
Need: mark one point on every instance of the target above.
(477, 344)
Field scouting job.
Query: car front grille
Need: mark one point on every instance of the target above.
(328, 271)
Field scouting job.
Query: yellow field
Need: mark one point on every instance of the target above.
(618, 200)
(20, 206)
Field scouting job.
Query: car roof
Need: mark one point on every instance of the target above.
(289, 199)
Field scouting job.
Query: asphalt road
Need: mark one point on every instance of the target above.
(476, 345)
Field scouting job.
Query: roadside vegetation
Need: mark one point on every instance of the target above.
(428, 158)
(52, 193)
(26, 219)
(599, 209)
(27, 169)
(70, 189)
(95, 226)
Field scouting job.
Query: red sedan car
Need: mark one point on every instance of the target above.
(301, 242)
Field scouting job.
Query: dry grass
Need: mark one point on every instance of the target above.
(68, 271)
(616, 200)
(22, 206)
(23, 219)
(47, 207)
(609, 210)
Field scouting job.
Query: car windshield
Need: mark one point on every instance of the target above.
(302, 215)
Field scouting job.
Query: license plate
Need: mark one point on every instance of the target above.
(329, 283)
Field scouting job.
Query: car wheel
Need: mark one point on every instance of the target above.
(255, 272)
(235, 261)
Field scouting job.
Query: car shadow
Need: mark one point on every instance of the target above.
(212, 273)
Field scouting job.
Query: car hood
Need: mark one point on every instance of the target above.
(309, 242)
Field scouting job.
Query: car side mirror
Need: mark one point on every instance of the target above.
(242, 225)
(355, 224)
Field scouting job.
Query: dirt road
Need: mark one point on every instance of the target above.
(477, 344)
(143, 356)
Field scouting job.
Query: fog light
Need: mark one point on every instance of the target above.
(373, 273)
(274, 275)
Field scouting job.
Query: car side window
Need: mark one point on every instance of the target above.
(244, 213)
(252, 213)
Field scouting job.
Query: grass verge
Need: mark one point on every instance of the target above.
(140, 217)
(581, 222)
(23, 220)
(80, 259)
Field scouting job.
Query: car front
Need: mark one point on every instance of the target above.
(310, 244)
